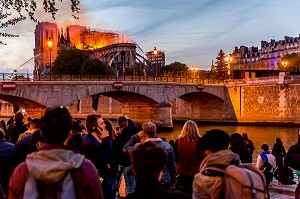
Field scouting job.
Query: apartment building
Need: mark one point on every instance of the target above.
(268, 57)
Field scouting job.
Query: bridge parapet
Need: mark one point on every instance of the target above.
(148, 78)
(253, 81)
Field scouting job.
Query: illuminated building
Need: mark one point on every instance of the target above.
(157, 60)
(110, 47)
(268, 57)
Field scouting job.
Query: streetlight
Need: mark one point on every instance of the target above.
(50, 43)
(155, 55)
(228, 60)
(284, 63)
(194, 69)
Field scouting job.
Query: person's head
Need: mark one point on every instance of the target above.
(77, 127)
(171, 142)
(34, 123)
(278, 141)
(236, 140)
(2, 133)
(148, 160)
(190, 131)
(109, 127)
(36, 141)
(93, 122)
(149, 129)
(163, 139)
(122, 122)
(214, 140)
(19, 117)
(245, 135)
(56, 125)
(265, 147)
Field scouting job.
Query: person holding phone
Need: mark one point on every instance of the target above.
(97, 147)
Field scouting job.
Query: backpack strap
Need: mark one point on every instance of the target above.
(212, 172)
(253, 191)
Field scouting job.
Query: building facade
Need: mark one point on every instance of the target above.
(268, 57)
(157, 60)
(117, 51)
(45, 32)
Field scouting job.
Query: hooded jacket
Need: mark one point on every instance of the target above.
(209, 186)
(49, 165)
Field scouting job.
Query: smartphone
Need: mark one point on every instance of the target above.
(97, 129)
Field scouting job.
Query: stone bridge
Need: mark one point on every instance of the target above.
(141, 101)
(258, 100)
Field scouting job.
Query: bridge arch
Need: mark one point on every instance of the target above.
(198, 106)
(129, 97)
(22, 102)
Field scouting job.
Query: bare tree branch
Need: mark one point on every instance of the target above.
(14, 11)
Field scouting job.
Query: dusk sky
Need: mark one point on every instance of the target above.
(189, 31)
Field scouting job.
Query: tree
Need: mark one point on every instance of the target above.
(221, 67)
(293, 63)
(69, 62)
(95, 67)
(134, 70)
(14, 11)
(175, 67)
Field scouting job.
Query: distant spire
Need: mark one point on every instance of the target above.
(68, 35)
(212, 66)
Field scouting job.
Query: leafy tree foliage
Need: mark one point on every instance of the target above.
(175, 67)
(134, 70)
(14, 11)
(293, 63)
(69, 62)
(221, 66)
(75, 62)
(96, 67)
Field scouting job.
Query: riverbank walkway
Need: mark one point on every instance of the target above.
(283, 191)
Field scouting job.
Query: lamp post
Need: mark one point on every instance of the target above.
(284, 63)
(155, 55)
(194, 69)
(50, 43)
(228, 61)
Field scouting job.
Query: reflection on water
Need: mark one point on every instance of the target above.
(258, 134)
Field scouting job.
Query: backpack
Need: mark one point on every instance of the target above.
(63, 189)
(286, 175)
(243, 182)
(266, 168)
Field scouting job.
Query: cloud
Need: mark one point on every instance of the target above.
(190, 31)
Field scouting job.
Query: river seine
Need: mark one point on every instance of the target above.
(258, 134)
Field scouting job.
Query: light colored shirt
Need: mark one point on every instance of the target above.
(271, 160)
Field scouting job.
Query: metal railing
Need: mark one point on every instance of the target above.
(148, 78)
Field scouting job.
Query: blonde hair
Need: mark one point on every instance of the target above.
(190, 131)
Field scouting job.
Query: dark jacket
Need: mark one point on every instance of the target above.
(249, 144)
(6, 163)
(292, 157)
(150, 188)
(15, 130)
(21, 150)
(243, 152)
(279, 152)
(121, 140)
(99, 154)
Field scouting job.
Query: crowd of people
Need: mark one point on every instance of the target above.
(60, 157)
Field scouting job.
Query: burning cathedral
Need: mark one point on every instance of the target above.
(108, 46)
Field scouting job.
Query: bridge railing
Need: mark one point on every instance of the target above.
(40, 77)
